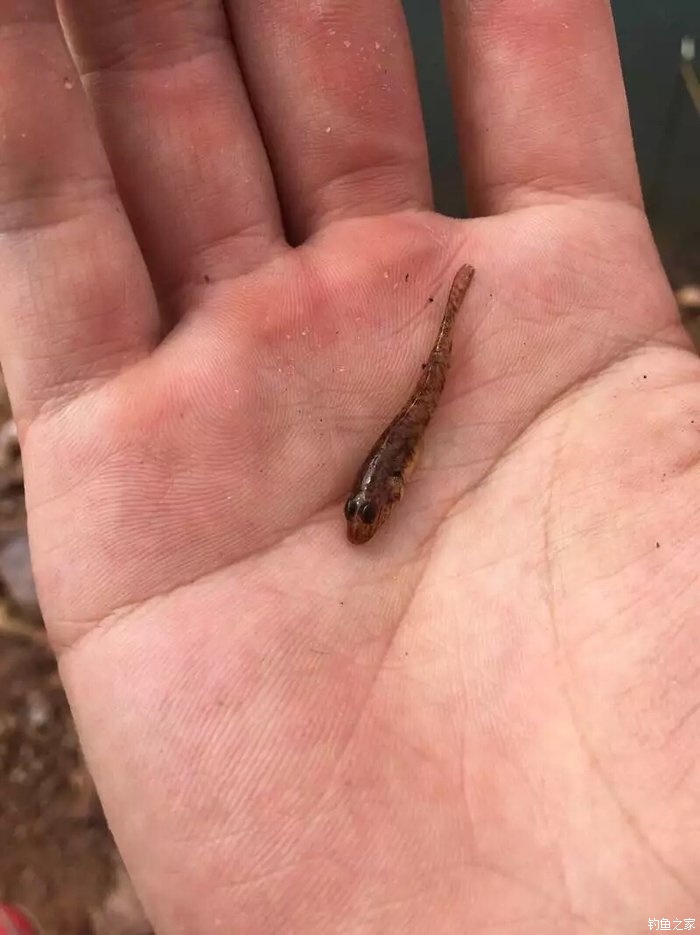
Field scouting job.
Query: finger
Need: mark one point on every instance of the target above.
(182, 139)
(334, 90)
(77, 301)
(540, 103)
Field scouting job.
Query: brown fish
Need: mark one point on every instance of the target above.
(381, 479)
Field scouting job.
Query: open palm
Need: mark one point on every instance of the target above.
(484, 720)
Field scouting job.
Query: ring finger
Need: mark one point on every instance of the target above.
(181, 136)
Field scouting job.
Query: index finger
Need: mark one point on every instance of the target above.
(540, 104)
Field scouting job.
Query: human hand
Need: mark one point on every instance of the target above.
(485, 719)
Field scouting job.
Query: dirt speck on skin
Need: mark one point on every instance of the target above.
(57, 860)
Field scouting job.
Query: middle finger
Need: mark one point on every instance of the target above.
(334, 89)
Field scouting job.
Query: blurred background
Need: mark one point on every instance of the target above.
(57, 859)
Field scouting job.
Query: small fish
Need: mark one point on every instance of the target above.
(381, 479)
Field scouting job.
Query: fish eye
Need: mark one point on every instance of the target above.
(368, 513)
(350, 507)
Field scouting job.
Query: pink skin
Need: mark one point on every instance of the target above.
(486, 720)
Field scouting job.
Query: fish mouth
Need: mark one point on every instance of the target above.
(359, 533)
